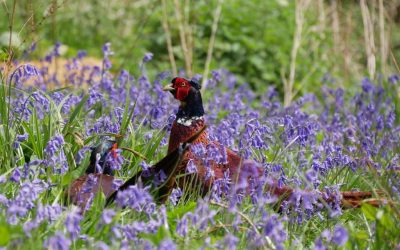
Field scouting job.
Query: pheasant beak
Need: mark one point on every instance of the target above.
(168, 87)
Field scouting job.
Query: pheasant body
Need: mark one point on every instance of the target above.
(83, 189)
(234, 165)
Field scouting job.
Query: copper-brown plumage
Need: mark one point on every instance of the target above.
(83, 189)
(235, 164)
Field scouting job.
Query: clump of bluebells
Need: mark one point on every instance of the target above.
(318, 146)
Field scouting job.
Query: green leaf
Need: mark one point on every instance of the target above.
(5, 236)
(369, 211)
(67, 179)
(178, 212)
(126, 119)
(386, 220)
(74, 115)
(156, 238)
(319, 137)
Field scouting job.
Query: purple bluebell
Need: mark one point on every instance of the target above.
(203, 215)
(22, 73)
(182, 227)
(393, 79)
(55, 157)
(340, 235)
(114, 160)
(175, 196)
(134, 197)
(72, 223)
(44, 213)
(230, 242)
(3, 199)
(57, 242)
(319, 245)
(16, 175)
(167, 244)
(3, 178)
(147, 57)
(106, 54)
(107, 216)
(54, 145)
(159, 178)
(101, 245)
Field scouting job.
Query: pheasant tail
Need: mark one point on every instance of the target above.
(168, 165)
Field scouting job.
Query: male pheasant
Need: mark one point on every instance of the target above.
(189, 120)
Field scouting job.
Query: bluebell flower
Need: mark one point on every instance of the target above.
(367, 85)
(101, 245)
(44, 213)
(175, 195)
(23, 72)
(107, 216)
(167, 244)
(274, 229)
(319, 245)
(216, 75)
(54, 155)
(202, 216)
(147, 57)
(57, 242)
(24, 201)
(230, 242)
(16, 175)
(159, 178)
(134, 197)
(3, 199)
(391, 118)
(340, 235)
(393, 79)
(81, 54)
(72, 223)
(114, 159)
(182, 227)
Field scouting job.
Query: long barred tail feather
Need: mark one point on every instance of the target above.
(350, 203)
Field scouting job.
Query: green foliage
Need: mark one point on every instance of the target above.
(385, 235)
(254, 39)
(5, 235)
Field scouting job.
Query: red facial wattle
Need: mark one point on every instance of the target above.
(113, 150)
(182, 88)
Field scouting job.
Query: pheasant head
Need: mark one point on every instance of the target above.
(188, 93)
(101, 150)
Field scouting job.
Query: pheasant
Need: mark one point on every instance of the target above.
(189, 122)
(83, 189)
